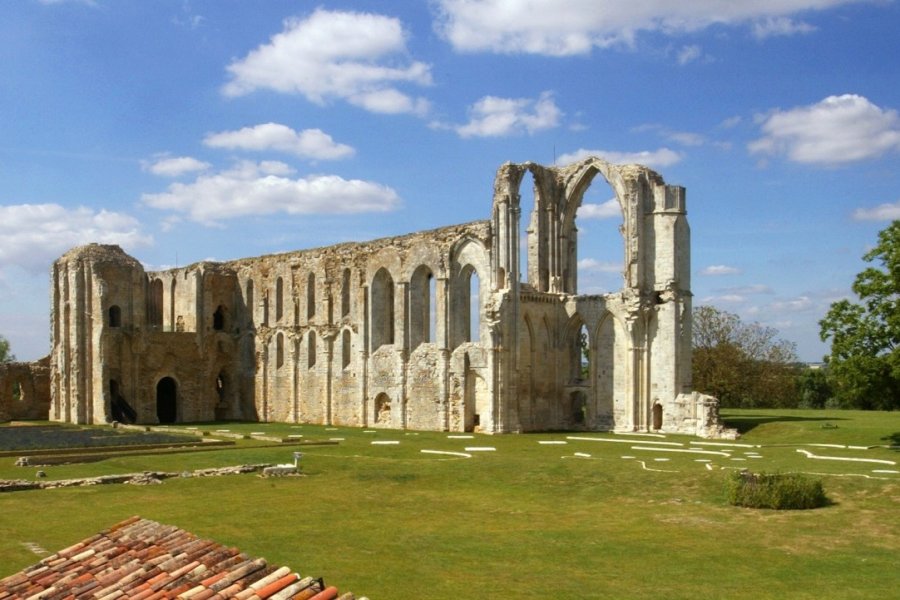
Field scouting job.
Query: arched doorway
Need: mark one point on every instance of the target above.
(383, 410)
(657, 416)
(166, 396)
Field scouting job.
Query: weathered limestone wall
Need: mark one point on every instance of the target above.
(24, 390)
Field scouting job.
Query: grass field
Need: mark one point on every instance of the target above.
(544, 515)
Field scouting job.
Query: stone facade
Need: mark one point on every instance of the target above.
(435, 330)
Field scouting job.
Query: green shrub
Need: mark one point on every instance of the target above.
(781, 491)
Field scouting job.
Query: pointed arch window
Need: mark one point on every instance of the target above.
(345, 349)
(311, 350)
(279, 299)
(421, 307)
(382, 322)
(311, 296)
(345, 293)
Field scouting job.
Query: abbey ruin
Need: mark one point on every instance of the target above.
(436, 330)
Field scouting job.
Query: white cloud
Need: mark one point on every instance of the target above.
(357, 57)
(798, 304)
(175, 166)
(662, 157)
(731, 122)
(34, 235)
(265, 188)
(715, 270)
(598, 266)
(606, 210)
(308, 143)
(689, 54)
(783, 26)
(882, 212)
(837, 130)
(495, 117)
(723, 299)
(541, 27)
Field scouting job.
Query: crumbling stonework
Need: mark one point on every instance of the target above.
(24, 390)
(436, 330)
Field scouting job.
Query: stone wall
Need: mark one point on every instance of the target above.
(24, 390)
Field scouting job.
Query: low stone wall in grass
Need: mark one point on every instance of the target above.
(142, 478)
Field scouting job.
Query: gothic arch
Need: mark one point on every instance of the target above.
(574, 357)
(382, 309)
(422, 304)
(468, 258)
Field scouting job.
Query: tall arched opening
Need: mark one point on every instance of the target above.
(382, 309)
(382, 409)
(167, 400)
(421, 307)
(594, 240)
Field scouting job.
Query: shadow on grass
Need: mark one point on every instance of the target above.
(35, 437)
(745, 423)
(893, 440)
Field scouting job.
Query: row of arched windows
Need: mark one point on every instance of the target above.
(311, 349)
(280, 299)
(464, 308)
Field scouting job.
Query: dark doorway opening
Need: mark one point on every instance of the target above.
(166, 395)
(115, 316)
(657, 416)
(219, 318)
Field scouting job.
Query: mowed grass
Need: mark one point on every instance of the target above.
(526, 520)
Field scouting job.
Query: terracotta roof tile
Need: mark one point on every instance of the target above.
(140, 559)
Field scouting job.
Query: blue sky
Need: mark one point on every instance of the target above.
(216, 129)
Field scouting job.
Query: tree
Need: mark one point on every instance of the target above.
(813, 388)
(864, 363)
(743, 365)
(5, 355)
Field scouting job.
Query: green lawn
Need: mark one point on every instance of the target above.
(526, 520)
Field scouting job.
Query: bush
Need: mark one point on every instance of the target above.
(781, 491)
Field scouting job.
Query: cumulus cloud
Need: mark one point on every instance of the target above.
(835, 131)
(34, 235)
(166, 166)
(540, 27)
(715, 270)
(663, 157)
(599, 266)
(606, 210)
(357, 57)
(496, 117)
(882, 212)
(266, 188)
(309, 143)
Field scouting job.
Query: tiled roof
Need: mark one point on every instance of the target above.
(140, 559)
